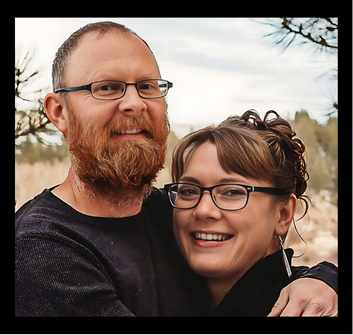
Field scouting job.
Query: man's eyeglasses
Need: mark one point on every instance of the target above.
(114, 89)
(230, 197)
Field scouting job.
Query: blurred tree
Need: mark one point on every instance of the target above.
(321, 147)
(172, 141)
(29, 120)
(320, 32)
(32, 152)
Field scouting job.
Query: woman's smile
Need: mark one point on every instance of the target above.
(209, 239)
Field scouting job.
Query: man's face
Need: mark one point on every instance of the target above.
(107, 146)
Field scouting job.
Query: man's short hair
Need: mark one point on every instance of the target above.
(66, 49)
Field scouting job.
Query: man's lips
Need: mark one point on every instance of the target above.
(133, 132)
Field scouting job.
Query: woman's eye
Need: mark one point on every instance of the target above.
(187, 192)
(233, 193)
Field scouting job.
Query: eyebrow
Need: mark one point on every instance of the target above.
(223, 180)
(232, 180)
(189, 179)
(106, 76)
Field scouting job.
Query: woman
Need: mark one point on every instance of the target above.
(235, 194)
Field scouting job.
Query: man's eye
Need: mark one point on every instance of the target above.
(105, 88)
(146, 87)
(108, 89)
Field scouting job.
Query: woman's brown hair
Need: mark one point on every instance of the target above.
(261, 149)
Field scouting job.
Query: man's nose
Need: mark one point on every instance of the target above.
(131, 103)
(206, 209)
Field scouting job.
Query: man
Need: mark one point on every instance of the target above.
(93, 246)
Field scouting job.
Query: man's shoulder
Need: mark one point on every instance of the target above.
(157, 202)
(156, 197)
(158, 214)
(41, 214)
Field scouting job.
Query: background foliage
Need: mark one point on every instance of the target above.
(321, 146)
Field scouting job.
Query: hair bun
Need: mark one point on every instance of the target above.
(287, 150)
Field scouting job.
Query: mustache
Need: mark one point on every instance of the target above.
(130, 122)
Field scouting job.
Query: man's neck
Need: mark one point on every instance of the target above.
(127, 201)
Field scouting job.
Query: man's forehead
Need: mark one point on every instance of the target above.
(97, 55)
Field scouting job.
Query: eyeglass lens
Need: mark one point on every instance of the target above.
(231, 197)
(115, 89)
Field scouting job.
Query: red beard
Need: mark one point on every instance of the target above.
(103, 164)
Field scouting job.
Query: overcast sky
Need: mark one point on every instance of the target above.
(218, 67)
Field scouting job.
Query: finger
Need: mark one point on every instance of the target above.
(295, 308)
(291, 310)
(280, 304)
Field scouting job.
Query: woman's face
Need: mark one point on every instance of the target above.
(249, 233)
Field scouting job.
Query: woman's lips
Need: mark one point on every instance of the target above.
(210, 238)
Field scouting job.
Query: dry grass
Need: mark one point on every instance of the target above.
(31, 180)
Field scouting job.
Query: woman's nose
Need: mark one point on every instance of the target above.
(131, 103)
(206, 209)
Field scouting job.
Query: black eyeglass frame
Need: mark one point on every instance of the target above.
(88, 87)
(249, 189)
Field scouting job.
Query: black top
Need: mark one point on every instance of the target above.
(256, 292)
(71, 264)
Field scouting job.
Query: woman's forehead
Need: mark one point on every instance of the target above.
(203, 167)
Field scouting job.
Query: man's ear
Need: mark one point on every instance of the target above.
(56, 112)
(287, 211)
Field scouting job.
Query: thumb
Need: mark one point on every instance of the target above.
(281, 303)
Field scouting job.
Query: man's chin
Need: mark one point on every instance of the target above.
(113, 189)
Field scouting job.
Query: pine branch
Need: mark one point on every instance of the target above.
(322, 42)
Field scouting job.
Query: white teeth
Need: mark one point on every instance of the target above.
(211, 237)
(132, 131)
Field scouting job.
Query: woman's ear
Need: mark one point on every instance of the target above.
(56, 112)
(287, 211)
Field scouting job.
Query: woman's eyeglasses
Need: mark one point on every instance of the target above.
(230, 197)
